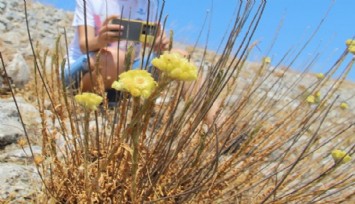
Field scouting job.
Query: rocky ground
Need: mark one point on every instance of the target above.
(17, 173)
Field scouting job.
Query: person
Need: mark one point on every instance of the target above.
(102, 37)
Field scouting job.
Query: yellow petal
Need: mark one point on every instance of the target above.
(339, 155)
(320, 76)
(266, 60)
(311, 99)
(350, 42)
(351, 49)
(317, 94)
(176, 66)
(344, 106)
(117, 85)
(136, 82)
(88, 100)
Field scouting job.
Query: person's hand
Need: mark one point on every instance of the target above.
(109, 33)
(162, 41)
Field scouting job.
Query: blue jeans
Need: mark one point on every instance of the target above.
(137, 63)
(74, 72)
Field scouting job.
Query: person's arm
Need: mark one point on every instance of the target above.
(107, 34)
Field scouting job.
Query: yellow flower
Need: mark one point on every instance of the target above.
(317, 94)
(317, 97)
(136, 82)
(89, 100)
(351, 49)
(339, 155)
(350, 42)
(351, 45)
(314, 98)
(311, 99)
(38, 159)
(344, 106)
(266, 60)
(176, 67)
(320, 76)
(22, 142)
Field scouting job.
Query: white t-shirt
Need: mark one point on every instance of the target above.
(98, 10)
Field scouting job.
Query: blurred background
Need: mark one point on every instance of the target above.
(286, 26)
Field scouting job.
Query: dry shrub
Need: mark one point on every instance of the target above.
(267, 144)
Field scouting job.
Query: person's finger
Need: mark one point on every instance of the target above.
(165, 43)
(161, 39)
(111, 27)
(112, 36)
(108, 19)
(113, 30)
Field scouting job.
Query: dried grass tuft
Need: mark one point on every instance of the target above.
(265, 145)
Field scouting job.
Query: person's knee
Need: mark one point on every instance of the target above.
(111, 65)
(104, 59)
(112, 58)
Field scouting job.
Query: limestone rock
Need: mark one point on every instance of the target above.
(10, 126)
(3, 25)
(10, 132)
(20, 155)
(18, 70)
(18, 182)
(2, 7)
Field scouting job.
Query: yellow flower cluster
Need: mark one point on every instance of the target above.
(320, 76)
(89, 100)
(266, 60)
(315, 98)
(136, 82)
(22, 142)
(351, 45)
(339, 155)
(38, 159)
(176, 66)
(317, 95)
(311, 99)
(344, 106)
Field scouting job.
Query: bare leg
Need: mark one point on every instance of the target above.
(191, 89)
